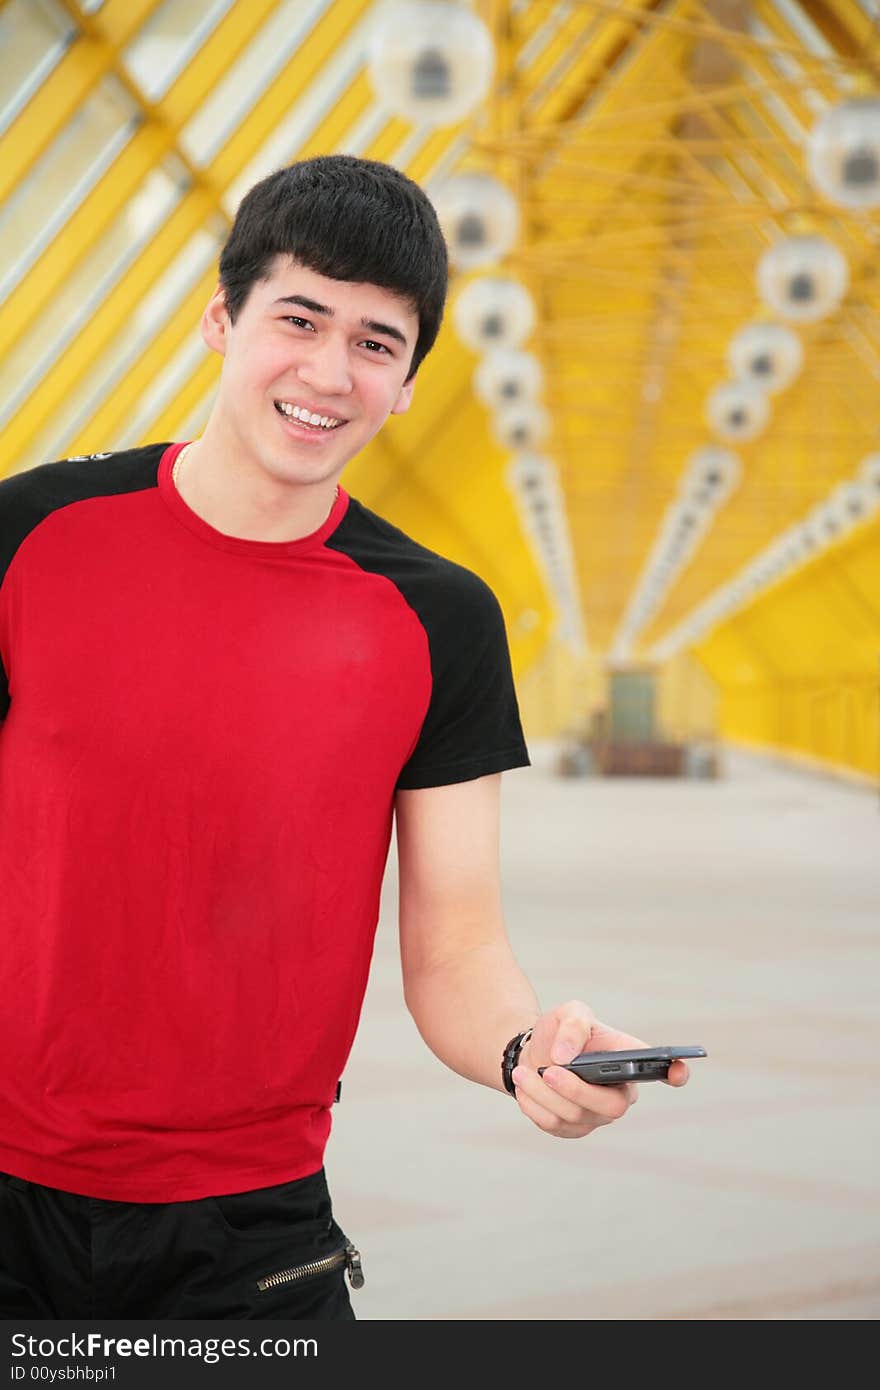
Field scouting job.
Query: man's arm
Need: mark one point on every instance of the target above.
(463, 986)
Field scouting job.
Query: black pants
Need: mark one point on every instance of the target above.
(275, 1252)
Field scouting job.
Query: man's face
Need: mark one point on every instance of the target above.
(307, 346)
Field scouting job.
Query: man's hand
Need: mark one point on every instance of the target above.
(560, 1102)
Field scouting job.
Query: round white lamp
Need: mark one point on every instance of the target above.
(523, 426)
(869, 472)
(737, 410)
(713, 472)
(853, 502)
(803, 278)
(506, 377)
(492, 312)
(828, 522)
(767, 355)
(430, 62)
(479, 217)
(527, 475)
(843, 153)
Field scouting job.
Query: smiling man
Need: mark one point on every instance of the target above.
(312, 368)
(222, 680)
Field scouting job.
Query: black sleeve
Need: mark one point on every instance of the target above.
(472, 727)
(29, 497)
(9, 541)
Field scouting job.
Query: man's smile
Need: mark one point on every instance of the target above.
(303, 416)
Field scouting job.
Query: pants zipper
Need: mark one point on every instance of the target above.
(348, 1257)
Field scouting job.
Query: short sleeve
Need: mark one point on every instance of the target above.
(8, 542)
(472, 726)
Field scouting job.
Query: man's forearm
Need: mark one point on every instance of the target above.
(467, 1008)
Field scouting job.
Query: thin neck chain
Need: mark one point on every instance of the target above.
(178, 461)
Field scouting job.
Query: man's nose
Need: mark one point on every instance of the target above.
(326, 368)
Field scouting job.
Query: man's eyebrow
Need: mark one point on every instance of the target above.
(386, 329)
(304, 303)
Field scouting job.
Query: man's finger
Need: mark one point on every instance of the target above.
(678, 1074)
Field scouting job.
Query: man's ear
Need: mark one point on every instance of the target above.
(404, 399)
(215, 322)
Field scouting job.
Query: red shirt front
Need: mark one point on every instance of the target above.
(202, 740)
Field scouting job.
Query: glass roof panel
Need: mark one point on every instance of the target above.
(162, 390)
(169, 40)
(127, 347)
(195, 422)
(39, 33)
(306, 114)
(63, 177)
(248, 77)
(87, 286)
(804, 27)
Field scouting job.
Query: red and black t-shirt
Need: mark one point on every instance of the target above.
(200, 741)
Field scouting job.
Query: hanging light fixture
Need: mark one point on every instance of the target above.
(507, 376)
(807, 537)
(522, 426)
(479, 217)
(813, 531)
(828, 523)
(853, 502)
(737, 410)
(843, 153)
(791, 547)
(803, 278)
(869, 472)
(430, 61)
(712, 474)
(527, 473)
(492, 312)
(767, 355)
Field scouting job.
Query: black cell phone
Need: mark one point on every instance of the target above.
(637, 1064)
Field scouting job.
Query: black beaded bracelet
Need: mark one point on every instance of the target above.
(510, 1057)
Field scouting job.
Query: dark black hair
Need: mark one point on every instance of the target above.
(346, 218)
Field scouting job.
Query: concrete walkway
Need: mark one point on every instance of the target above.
(743, 915)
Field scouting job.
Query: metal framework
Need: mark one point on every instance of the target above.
(656, 149)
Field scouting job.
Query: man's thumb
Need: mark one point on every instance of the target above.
(565, 1046)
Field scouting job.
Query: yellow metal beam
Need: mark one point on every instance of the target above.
(122, 402)
(110, 319)
(53, 104)
(169, 422)
(486, 560)
(296, 76)
(743, 43)
(217, 55)
(593, 61)
(156, 138)
(850, 29)
(347, 109)
(146, 148)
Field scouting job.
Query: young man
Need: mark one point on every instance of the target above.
(222, 677)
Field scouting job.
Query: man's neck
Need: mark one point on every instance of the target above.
(247, 503)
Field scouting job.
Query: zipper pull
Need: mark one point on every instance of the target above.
(355, 1269)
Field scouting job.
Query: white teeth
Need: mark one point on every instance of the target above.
(296, 412)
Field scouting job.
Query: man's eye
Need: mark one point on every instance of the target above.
(377, 347)
(295, 319)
